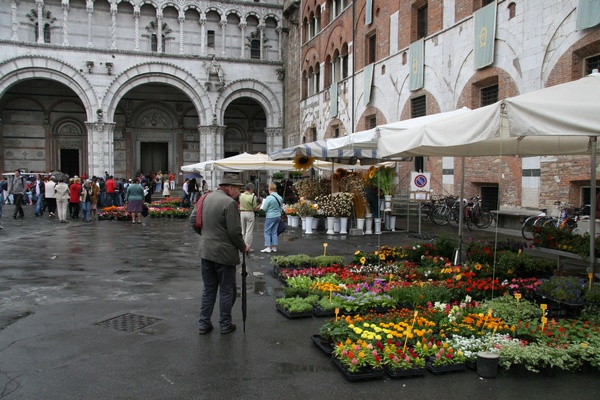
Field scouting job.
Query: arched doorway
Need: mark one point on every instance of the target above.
(156, 130)
(43, 128)
(246, 122)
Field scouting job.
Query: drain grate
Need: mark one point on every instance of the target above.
(128, 322)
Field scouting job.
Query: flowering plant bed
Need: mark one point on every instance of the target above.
(360, 374)
(169, 212)
(114, 213)
(440, 369)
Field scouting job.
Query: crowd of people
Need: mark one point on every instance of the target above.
(80, 197)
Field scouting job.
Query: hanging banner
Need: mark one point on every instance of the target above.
(588, 14)
(415, 55)
(369, 12)
(368, 83)
(485, 35)
(333, 100)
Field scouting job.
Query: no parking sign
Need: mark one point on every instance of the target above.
(420, 185)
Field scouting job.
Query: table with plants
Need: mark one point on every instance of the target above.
(402, 311)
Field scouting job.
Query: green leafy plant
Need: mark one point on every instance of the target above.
(297, 304)
(511, 311)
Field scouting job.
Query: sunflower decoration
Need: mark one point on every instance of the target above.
(303, 162)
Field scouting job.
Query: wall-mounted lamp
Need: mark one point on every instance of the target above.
(89, 65)
(109, 67)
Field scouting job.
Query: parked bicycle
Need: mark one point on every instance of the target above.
(481, 219)
(567, 219)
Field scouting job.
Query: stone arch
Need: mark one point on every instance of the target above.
(157, 73)
(17, 69)
(256, 90)
(68, 126)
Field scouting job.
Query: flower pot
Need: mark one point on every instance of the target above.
(487, 364)
(361, 375)
(343, 225)
(368, 224)
(295, 221)
(330, 221)
(336, 225)
(309, 225)
(303, 223)
(392, 224)
(315, 223)
(377, 226)
(360, 224)
(289, 220)
(388, 202)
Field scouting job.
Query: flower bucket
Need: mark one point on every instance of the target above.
(309, 225)
(343, 225)
(487, 364)
(336, 225)
(330, 221)
(315, 224)
(392, 224)
(377, 226)
(303, 223)
(295, 221)
(289, 220)
(388, 202)
(368, 224)
(360, 224)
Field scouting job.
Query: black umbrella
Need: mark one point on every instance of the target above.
(244, 299)
(59, 176)
(192, 175)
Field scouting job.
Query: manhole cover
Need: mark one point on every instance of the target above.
(128, 322)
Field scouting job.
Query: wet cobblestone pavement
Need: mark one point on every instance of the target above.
(60, 283)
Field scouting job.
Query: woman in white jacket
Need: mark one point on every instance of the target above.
(61, 191)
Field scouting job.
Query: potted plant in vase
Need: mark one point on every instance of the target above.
(343, 208)
(383, 179)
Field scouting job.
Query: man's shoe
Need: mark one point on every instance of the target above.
(14, 216)
(204, 331)
(229, 329)
(266, 250)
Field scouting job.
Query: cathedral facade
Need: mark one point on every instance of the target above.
(129, 86)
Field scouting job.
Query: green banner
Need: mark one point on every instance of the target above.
(588, 14)
(416, 52)
(485, 34)
(368, 71)
(369, 12)
(333, 100)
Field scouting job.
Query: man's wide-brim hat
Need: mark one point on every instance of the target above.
(232, 180)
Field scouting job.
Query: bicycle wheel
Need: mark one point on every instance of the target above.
(549, 223)
(439, 216)
(426, 211)
(528, 228)
(469, 222)
(484, 219)
(453, 218)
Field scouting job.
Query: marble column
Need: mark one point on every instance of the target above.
(100, 147)
(90, 12)
(211, 148)
(65, 25)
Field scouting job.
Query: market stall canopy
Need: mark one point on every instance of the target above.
(553, 121)
(319, 150)
(255, 162)
(367, 140)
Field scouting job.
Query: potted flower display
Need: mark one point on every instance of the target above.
(383, 179)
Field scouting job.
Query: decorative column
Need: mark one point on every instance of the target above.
(40, 20)
(242, 27)
(113, 26)
(90, 11)
(261, 30)
(202, 22)
(181, 21)
(65, 27)
(274, 139)
(211, 148)
(223, 24)
(136, 27)
(279, 49)
(100, 147)
(14, 23)
(159, 41)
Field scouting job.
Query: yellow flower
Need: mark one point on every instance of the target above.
(363, 260)
(357, 252)
(477, 266)
(382, 256)
(303, 162)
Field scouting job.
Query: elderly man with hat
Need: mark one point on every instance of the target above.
(220, 242)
